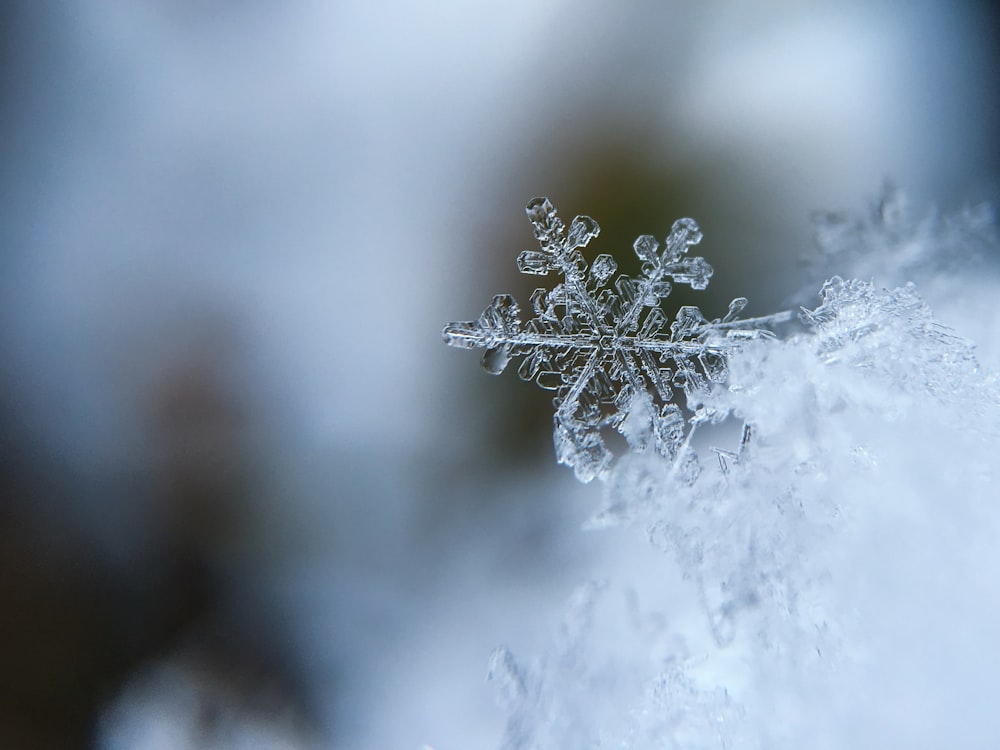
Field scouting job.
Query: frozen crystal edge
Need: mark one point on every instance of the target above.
(604, 347)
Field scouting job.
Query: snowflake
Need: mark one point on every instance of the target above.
(606, 349)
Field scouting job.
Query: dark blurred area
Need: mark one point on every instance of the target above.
(82, 610)
(247, 496)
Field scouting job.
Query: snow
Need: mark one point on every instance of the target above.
(839, 571)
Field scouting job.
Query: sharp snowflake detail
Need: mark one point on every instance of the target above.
(606, 349)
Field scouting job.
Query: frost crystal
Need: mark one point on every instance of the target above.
(606, 349)
(840, 565)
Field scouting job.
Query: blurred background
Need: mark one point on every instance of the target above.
(248, 498)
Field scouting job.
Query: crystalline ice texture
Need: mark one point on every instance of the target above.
(599, 344)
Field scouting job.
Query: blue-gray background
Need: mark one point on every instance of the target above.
(233, 443)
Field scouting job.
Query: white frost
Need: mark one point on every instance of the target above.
(840, 557)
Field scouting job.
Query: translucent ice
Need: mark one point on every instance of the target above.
(831, 575)
(599, 345)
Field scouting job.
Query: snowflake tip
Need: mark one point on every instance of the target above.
(581, 231)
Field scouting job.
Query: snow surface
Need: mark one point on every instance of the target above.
(830, 581)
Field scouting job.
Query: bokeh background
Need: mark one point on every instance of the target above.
(248, 498)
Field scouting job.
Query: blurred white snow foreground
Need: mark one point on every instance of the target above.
(185, 701)
(832, 583)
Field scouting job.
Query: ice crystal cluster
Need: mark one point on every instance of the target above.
(606, 348)
(830, 581)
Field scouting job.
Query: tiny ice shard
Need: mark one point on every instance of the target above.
(603, 347)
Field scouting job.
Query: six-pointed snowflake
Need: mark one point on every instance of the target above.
(605, 348)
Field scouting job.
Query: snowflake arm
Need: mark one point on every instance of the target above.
(606, 349)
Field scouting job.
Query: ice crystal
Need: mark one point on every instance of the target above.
(647, 668)
(872, 458)
(838, 569)
(606, 349)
